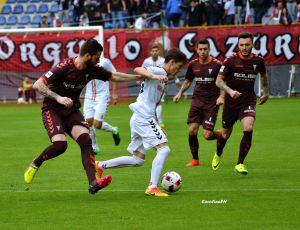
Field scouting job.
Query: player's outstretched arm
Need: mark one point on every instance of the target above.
(42, 88)
(222, 85)
(145, 74)
(265, 86)
(122, 77)
(185, 86)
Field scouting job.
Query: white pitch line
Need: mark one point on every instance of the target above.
(128, 190)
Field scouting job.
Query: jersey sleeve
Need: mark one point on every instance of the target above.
(102, 74)
(225, 69)
(262, 69)
(189, 73)
(53, 75)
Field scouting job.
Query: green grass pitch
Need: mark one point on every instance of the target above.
(267, 198)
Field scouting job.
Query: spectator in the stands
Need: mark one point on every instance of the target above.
(239, 7)
(135, 10)
(84, 19)
(195, 13)
(154, 8)
(229, 13)
(260, 9)
(276, 14)
(173, 13)
(97, 19)
(116, 9)
(213, 13)
(78, 9)
(90, 8)
(44, 23)
(63, 14)
(291, 6)
(54, 21)
(298, 13)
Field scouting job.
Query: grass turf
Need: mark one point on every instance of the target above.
(58, 199)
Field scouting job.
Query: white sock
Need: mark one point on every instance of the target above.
(158, 114)
(93, 138)
(157, 165)
(108, 128)
(120, 162)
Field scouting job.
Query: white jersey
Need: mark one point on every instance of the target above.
(97, 88)
(150, 94)
(149, 62)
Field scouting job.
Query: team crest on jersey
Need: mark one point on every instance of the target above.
(209, 71)
(48, 74)
(254, 67)
(222, 68)
(58, 127)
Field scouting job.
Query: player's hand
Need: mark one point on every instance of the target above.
(234, 94)
(263, 99)
(220, 100)
(65, 101)
(177, 97)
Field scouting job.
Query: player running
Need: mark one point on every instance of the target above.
(236, 78)
(96, 100)
(145, 131)
(206, 97)
(61, 87)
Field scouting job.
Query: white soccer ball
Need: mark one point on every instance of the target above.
(171, 181)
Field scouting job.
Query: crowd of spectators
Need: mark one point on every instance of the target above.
(173, 13)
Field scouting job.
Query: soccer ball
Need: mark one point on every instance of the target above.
(171, 181)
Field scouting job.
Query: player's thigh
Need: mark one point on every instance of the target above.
(101, 108)
(136, 144)
(248, 123)
(210, 118)
(53, 123)
(88, 108)
(195, 115)
(229, 116)
(247, 116)
(193, 128)
(75, 124)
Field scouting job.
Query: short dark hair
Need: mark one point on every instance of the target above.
(204, 41)
(155, 45)
(91, 47)
(245, 35)
(175, 54)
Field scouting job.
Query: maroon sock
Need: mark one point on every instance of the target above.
(245, 146)
(87, 156)
(57, 148)
(221, 142)
(194, 146)
(215, 135)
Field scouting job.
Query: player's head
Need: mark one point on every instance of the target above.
(203, 48)
(174, 61)
(245, 43)
(91, 51)
(154, 52)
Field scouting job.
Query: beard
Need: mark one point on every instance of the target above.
(89, 64)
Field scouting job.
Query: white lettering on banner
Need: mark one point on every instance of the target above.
(6, 42)
(27, 53)
(112, 47)
(186, 44)
(213, 48)
(71, 47)
(51, 52)
(263, 45)
(282, 43)
(232, 42)
(132, 50)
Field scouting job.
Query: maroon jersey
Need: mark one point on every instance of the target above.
(68, 81)
(205, 75)
(240, 75)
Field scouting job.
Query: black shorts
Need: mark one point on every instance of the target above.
(207, 117)
(56, 123)
(231, 114)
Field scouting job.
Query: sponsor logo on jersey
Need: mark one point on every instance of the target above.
(58, 127)
(222, 68)
(48, 74)
(209, 71)
(254, 67)
(204, 79)
(72, 86)
(245, 76)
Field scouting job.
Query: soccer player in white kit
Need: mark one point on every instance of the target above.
(96, 101)
(158, 61)
(145, 131)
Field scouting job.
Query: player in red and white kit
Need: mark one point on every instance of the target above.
(206, 97)
(237, 77)
(61, 87)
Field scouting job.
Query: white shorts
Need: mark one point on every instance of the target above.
(96, 108)
(145, 134)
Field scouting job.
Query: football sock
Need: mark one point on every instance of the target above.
(220, 145)
(57, 148)
(120, 162)
(194, 146)
(108, 128)
(157, 165)
(159, 113)
(87, 156)
(245, 146)
(93, 137)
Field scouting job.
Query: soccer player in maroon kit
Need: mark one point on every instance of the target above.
(236, 78)
(206, 97)
(61, 87)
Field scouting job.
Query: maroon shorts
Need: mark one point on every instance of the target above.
(232, 114)
(207, 117)
(56, 123)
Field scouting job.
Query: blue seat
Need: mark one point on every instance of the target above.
(25, 20)
(43, 8)
(12, 20)
(6, 9)
(2, 20)
(18, 9)
(36, 19)
(54, 8)
(35, 1)
(11, 1)
(48, 1)
(31, 8)
(23, 1)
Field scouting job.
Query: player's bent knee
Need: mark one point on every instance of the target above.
(60, 146)
(97, 124)
(138, 161)
(207, 135)
(165, 150)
